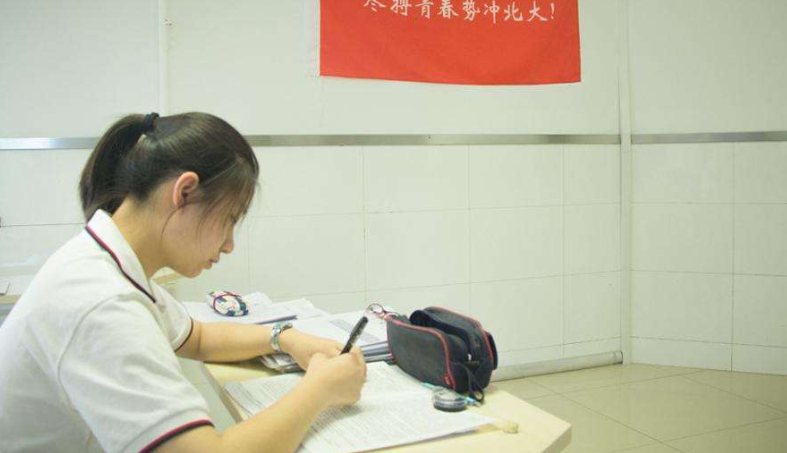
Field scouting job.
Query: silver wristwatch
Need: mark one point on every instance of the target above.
(278, 328)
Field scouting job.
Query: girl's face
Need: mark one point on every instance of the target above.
(193, 242)
(194, 237)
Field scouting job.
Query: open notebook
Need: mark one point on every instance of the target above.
(394, 409)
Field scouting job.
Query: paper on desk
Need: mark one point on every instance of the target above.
(394, 410)
(338, 327)
(261, 311)
(15, 284)
(373, 341)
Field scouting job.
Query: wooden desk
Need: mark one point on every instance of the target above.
(539, 432)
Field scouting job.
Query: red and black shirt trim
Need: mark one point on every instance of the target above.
(174, 432)
(114, 256)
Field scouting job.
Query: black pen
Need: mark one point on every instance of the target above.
(356, 332)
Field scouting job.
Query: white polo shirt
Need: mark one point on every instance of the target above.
(87, 361)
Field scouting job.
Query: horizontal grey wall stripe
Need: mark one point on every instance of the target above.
(48, 143)
(430, 140)
(347, 140)
(433, 140)
(712, 137)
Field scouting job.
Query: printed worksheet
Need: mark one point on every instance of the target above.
(394, 409)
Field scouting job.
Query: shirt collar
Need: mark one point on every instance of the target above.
(109, 237)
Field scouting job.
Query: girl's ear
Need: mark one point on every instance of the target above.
(185, 187)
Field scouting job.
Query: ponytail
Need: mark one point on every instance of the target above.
(98, 188)
(127, 164)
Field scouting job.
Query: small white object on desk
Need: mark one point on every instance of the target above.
(261, 311)
(4, 288)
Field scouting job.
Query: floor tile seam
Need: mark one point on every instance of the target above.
(624, 450)
(612, 420)
(746, 425)
(778, 409)
(691, 380)
(541, 386)
(674, 448)
(567, 396)
(665, 441)
(625, 383)
(551, 393)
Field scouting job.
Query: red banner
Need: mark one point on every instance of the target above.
(481, 42)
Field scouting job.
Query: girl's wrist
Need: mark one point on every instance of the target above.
(287, 339)
(315, 391)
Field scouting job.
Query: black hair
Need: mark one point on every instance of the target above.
(140, 152)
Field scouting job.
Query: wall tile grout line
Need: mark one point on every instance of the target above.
(563, 313)
(714, 343)
(469, 238)
(661, 271)
(415, 211)
(732, 299)
(365, 229)
(248, 253)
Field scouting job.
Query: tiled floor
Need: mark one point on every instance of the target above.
(658, 409)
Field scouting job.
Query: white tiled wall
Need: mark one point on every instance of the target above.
(709, 256)
(39, 209)
(40, 187)
(526, 238)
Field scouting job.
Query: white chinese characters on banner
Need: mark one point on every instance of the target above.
(534, 13)
(512, 12)
(426, 8)
(373, 5)
(471, 8)
(447, 9)
(401, 7)
(492, 10)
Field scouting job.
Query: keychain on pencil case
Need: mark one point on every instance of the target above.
(448, 400)
(227, 303)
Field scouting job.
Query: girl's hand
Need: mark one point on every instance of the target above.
(338, 379)
(302, 346)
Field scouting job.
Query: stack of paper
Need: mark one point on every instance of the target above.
(373, 341)
(261, 311)
(394, 409)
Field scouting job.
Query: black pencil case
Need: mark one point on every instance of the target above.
(444, 348)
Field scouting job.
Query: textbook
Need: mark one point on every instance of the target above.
(394, 409)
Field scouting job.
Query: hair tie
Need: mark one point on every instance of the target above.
(147, 123)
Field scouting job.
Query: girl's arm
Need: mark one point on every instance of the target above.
(281, 428)
(226, 342)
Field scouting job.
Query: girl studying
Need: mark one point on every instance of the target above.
(90, 351)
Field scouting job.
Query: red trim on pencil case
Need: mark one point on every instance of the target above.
(442, 340)
(478, 324)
